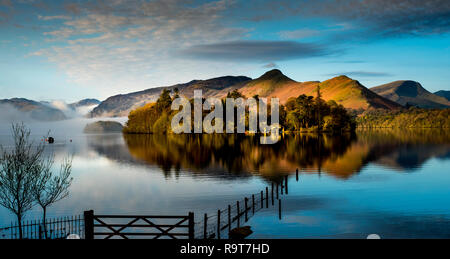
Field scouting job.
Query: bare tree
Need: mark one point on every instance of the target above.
(50, 187)
(18, 173)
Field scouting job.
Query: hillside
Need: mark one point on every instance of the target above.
(411, 93)
(274, 83)
(121, 105)
(84, 103)
(22, 109)
(346, 91)
(443, 93)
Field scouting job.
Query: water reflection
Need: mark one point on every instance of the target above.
(242, 156)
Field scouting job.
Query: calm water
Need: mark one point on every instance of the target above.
(392, 183)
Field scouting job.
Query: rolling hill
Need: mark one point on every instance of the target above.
(443, 93)
(121, 105)
(274, 83)
(411, 93)
(22, 109)
(344, 90)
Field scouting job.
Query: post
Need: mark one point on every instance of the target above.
(277, 191)
(296, 175)
(272, 194)
(88, 224)
(281, 187)
(267, 197)
(279, 208)
(262, 200)
(286, 180)
(246, 209)
(191, 226)
(218, 224)
(40, 231)
(253, 203)
(229, 218)
(205, 226)
(238, 215)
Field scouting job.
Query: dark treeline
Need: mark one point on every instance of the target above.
(304, 113)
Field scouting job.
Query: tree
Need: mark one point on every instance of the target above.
(18, 173)
(51, 188)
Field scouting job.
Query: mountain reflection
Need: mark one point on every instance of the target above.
(231, 156)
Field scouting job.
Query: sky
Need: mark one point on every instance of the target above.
(70, 50)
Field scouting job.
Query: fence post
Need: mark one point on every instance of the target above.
(89, 224)
(279, 208)
(267, 197)
(296, 175)
(238, 215)
(262, 200)
(191, 226)
(272, 194)
(218, 224)
(253, 203)
(40, 231)
(205, 226)
(286, 179)
(246, 213)
(229, 218)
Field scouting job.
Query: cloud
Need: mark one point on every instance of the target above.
(55, 17)
(256, 51)
(362, 74)
(270, 65)
(298, 34)
(376, 17)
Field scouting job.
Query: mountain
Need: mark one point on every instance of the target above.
(121, 105)
(84, 103)
(411, 93)
(274, 83)
(344, 90)
(21, 109)
(443, 93)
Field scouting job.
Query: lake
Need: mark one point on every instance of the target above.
(394, 183)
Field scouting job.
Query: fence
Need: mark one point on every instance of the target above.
(54, 228)
(121, 226)
(212, 226)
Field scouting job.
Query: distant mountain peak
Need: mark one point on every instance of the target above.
(408, 92)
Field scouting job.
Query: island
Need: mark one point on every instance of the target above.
(103, 127)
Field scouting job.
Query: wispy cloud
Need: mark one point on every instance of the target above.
(259, 51)
(362, 74)
(299, 34)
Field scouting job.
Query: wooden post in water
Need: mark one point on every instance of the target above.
(218, 224)
(238, 215)
(229, 218)
(205, 226)
(246, 213)
(267, 197)
(279, 209)
(88, 224)
(286, 180)
(272, 194)
(253, 203)
(262, 200)
(296, 174)
(281, 187)
(277, 191)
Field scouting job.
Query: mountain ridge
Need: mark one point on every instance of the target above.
(410, 93)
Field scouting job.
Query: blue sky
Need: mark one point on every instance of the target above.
(69, 50)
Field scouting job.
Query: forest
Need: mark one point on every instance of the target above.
(406, 118)
(304, 114)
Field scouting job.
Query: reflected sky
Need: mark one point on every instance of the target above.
(392, 183)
